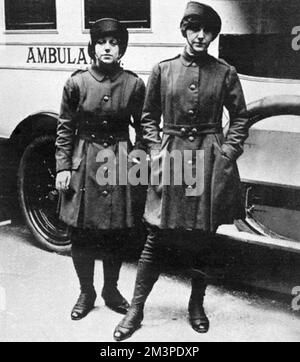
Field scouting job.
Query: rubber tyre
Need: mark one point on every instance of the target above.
(38, 197)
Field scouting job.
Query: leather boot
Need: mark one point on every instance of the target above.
(110, 293)
(197, 316)
(147, 275)
(84, 263)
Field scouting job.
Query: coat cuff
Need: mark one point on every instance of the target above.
(154, 146)
(230, 152)
(63, 169)
(140, 145)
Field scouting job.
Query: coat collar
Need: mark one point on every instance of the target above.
(101, 76)
(193, 61)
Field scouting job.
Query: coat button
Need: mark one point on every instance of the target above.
(191, 138)
(104, 123)
(106, 98)
(193, 87)
(191, 112)
(93, 136)
(111, 138)
(105, 193)
(183, 130)
(105, 144)
(194, 130)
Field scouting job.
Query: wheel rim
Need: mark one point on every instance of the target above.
(40, 196)
(272, 210)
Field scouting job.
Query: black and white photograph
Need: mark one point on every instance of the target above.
(149, 173)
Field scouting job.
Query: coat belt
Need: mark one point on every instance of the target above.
(102, 129)
(91, 123)
(106, 139)
(192, 130)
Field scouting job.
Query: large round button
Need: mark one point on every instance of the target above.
(105, 193)
(111, 138)
(191, 112)
(194, 130)
(193, 87)
(93, 136)
(106, 98)
(105, 144)
(183, 130)
(104, 123)
(191, 138)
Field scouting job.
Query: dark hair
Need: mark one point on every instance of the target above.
(195, 22)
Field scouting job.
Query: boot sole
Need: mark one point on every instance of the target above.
(124, 337)
(82, 315)
(196, 328)
(117, 309)
(201, 331)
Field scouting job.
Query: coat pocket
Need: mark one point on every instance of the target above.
(219, 142)
(78, 154)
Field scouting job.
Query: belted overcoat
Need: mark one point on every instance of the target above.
(190, 94)
(96, 111)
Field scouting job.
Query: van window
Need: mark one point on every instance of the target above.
(267, 55)
(270, 44)
(135, 14)
(30, 14)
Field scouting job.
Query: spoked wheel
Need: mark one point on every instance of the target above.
(38, 197)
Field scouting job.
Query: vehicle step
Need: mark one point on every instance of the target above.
(231, 232)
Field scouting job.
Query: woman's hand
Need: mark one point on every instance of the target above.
(63, 179)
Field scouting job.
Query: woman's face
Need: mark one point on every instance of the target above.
(107, 50)
(198, 40)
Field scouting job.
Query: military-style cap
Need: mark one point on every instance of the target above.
(198, 13)
(109, 26)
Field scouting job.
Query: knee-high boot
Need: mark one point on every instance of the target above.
(84, 263)
(110, 293)
(147, 274)
(197, 316)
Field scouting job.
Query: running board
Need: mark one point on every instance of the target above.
(4, 223)
(232, 233)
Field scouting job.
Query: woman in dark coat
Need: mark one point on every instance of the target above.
(190, 92)
(98, 105)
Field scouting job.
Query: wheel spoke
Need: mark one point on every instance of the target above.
(38, 183)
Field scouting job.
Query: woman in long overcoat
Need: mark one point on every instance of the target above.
(189, 91)
(98, 105)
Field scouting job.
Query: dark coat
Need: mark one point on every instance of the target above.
(96, 111)
(190, 95)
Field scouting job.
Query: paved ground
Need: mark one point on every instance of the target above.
(38, 289)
